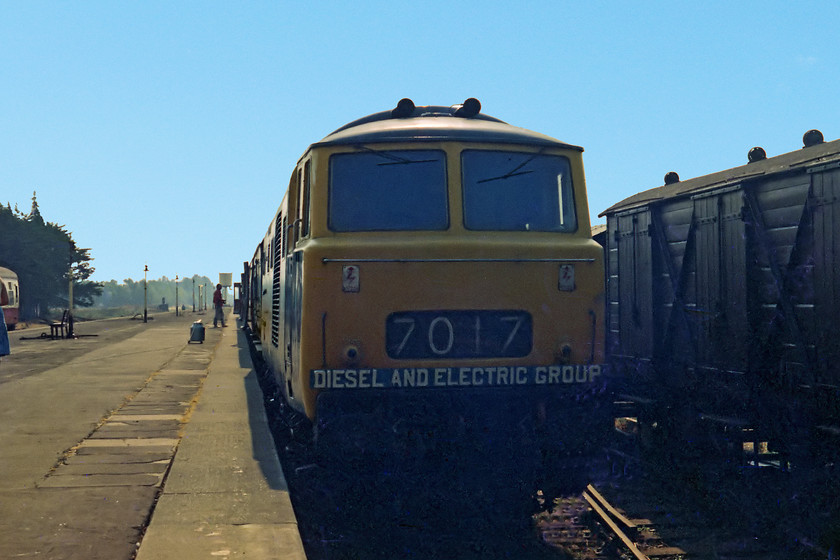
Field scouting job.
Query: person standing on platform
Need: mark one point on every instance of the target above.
(4, 334)
(218, 302)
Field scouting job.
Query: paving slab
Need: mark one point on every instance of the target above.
(109, 468)
(104, 455)
(55, 523)
(96, 480)
(112, 430)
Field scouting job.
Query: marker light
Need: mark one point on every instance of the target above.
(470, 108)
(404, 109)
(351, 354)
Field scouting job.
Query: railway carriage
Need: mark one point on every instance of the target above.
(430, 273)
(11, 312)
(722, 296)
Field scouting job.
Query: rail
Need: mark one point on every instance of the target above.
(612, 518)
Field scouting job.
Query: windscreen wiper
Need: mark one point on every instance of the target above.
(513, 172)
(507, 175)
(394, 159)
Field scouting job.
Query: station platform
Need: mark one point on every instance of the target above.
(225, 495)
(139, 445)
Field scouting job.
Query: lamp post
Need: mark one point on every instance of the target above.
(193, 299)
(70, 287)
(177, 312)
(70, 333)
(145, 295)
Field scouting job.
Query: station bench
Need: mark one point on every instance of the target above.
(58, 328)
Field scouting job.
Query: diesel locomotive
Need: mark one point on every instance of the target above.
(430, 276)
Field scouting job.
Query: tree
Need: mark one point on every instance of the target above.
(35, 214)
(84, 290)
(130, 292)
(43, 255)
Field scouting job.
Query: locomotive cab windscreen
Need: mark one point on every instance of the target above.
(382, 190)
(516, 191)
(390, 190)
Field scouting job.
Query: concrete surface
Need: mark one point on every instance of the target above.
(103, 435)
(225, 496)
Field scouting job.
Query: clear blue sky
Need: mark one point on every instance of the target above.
(164, 133)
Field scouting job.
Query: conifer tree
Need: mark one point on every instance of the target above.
(43, 254)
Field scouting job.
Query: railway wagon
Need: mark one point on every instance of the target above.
(722, 298)
(430, 271)
(11, 312)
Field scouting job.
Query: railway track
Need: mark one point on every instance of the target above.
(645, 518)
(589, 527)
(639, 519)
(636, 536)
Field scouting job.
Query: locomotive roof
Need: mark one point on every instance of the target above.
(434, 124)
(7, 273)
(823, 152)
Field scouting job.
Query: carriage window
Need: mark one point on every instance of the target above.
(388, 190)
(516, 191)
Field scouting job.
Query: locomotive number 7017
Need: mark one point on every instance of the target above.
(458, 334)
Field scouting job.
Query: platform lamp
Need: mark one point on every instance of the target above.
(70, 286)
(145, 295)
(70, 333)
(177, 312)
